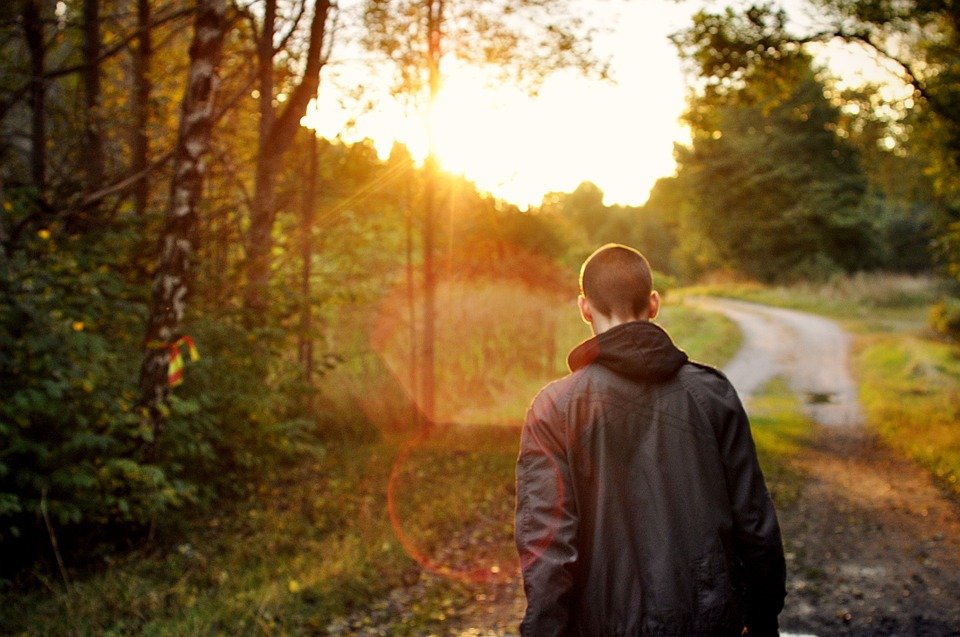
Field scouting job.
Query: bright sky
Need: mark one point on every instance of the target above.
(618, 135)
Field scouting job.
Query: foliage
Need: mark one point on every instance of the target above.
(67, 422)
(312, 548)
(775, 191)
(945, 317)
(519, 42)
(293, 553)
(920, 129)
(647, 228)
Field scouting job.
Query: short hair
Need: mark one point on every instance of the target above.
(617, 281)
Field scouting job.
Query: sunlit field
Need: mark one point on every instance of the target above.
(499, 342)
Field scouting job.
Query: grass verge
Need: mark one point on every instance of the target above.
(910, 390)
(707, 337)
(866, 302)
(780, 432)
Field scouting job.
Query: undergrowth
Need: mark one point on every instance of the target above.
(314, 548)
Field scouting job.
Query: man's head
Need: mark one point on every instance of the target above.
(616, 286)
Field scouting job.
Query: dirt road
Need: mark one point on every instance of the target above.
(873, 547)
(811, 352)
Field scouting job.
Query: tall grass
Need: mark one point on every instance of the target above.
(910, 389)
(499, 342)
(884, 300)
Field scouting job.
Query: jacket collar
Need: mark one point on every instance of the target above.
(640, 350)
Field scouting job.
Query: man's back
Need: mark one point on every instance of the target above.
(641, 508)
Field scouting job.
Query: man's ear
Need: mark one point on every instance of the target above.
(586, 312)
(654, 307)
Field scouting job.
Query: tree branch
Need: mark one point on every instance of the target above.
(293, 27)
(285, 124)
(118, 46)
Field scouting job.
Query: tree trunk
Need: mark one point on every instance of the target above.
(171, 282)
(428, 355)
(140, 144)
(276, 135)
(415, 419)
(33, 33)
(91, 153)
(306, 230)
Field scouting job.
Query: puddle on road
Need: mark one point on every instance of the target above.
(821, 398)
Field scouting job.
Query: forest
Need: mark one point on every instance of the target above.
(209, 313)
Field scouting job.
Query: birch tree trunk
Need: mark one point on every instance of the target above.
(171, 282)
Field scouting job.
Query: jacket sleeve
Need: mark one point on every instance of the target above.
(757, 538)
(546, 521)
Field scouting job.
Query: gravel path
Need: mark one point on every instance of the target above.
(811, 352)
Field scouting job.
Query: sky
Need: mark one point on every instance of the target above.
(620, 135)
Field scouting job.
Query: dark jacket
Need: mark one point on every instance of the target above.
(641, 508)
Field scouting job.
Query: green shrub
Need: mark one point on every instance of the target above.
(72, 438)
(68, 368)
(945, 317)
(237, 414)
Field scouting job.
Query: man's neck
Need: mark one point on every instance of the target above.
(602, 323)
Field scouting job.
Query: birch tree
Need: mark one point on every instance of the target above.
(172, 279)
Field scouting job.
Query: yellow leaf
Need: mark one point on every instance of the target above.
(7, 206)
(293, 586)
(43, 234)
(78, 326)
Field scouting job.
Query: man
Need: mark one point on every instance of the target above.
(641, 508)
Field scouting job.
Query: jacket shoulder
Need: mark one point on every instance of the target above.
(556, 393)
(704, 379)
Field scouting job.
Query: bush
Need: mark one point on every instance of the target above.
(72, 437)
(945, 317)
(238, 413)
(68, 368)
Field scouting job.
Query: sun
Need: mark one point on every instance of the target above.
(519, 147)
